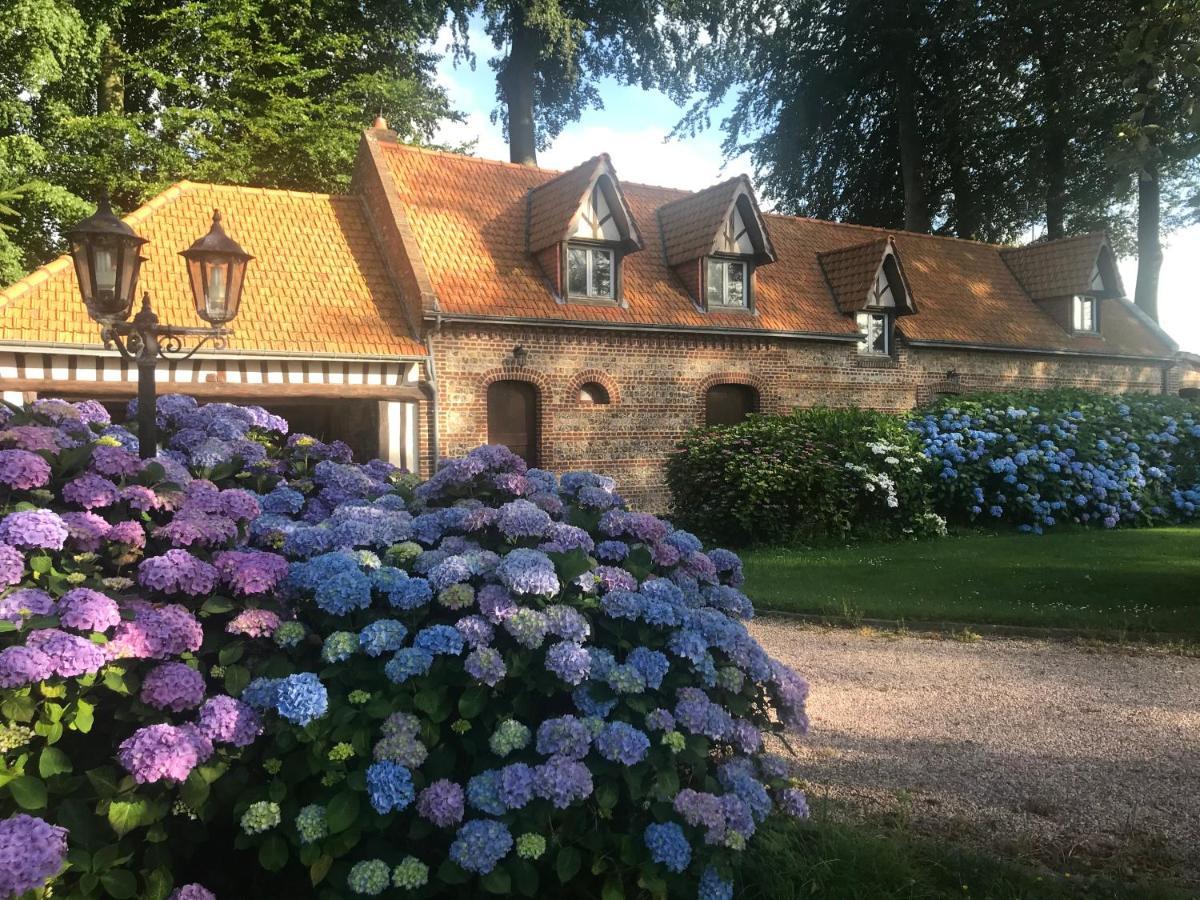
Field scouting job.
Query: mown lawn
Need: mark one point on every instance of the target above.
(826, 859)
(1101, 581)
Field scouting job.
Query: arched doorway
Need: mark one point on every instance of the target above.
(729, 404)
(512, 418)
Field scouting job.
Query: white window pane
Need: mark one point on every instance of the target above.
(577, 282)
(715, 283)
(878, 334)
(736, 284)
(602, 284)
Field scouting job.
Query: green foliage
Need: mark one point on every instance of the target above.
(133, 95)
(816, 473)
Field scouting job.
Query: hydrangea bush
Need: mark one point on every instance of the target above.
(1036, 460)
(815, 473)
(497, 680)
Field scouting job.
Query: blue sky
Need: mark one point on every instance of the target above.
(633, 126)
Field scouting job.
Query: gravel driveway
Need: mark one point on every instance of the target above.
(1048, 749)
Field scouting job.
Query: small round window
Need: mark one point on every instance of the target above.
(593, 393)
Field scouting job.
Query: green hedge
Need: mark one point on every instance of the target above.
(812, 474)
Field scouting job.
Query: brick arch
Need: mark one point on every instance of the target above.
(538, 379)
(579, 379)
(766, 401)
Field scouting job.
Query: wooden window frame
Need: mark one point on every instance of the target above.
(724, 259)
(600, 299)
(1077, 304)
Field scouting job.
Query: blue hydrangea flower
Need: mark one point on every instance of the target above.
(668, 845)
(525, 571)
(301, 698)
(569, 661)
(382, 636)
(480, 845)
(621, 742)
(343, 593)
(389, 786)
(565, 736)
(483, 793)
(439, 639)
(408, 663)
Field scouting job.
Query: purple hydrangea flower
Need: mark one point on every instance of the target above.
(90, 491)
(22, 470)
(31, 852)
(569, 661)
(250, 571)
(86, 610)
(495, 603)
(485, 664)
(69, 654)
(475, 630)
(225, 720)
(192, 892)
(442, 803)
(525, 571)
(164, 752)
(12, 566)
(177, 571)
(115, 462)
(792, 802)
(566, 737)
(156, 632)
(522, 519)
(23, 603)
(21, 666)
(174, 686)
(568, 623)
(516, 784)
(255, 623)
(34, 529)
(87, 531)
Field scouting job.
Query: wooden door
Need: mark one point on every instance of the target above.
(729, 404)
(512, 413)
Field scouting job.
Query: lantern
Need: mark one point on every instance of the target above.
(216, 268)
(107, 257)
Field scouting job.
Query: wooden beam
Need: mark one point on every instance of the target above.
(220, 391)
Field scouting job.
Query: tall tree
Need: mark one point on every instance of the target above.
(1160, 137)
(131, 95)
(554, 51)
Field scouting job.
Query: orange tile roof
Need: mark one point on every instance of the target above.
(318, 283)
(692, 223)
(1056, 268)
(850, 272)
(469, 217)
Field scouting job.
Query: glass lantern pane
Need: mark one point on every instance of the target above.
(602, 285)
(214, 291)
(106, 269)
(577, 271)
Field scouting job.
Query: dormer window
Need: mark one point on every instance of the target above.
(592, 259)
(727, 273)
(590, 271)
(1085, 314)
(877, 333)
(727, 282)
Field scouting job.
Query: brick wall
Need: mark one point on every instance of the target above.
(657, 382)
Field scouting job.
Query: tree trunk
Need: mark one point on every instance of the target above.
(916, 209)
(110, 91)
(516, 84)
(1149, 242)
(1054, 131)
(966, 207)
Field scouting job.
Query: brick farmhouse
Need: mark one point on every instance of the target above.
(447, 301)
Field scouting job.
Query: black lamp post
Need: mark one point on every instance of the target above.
(107, 257)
